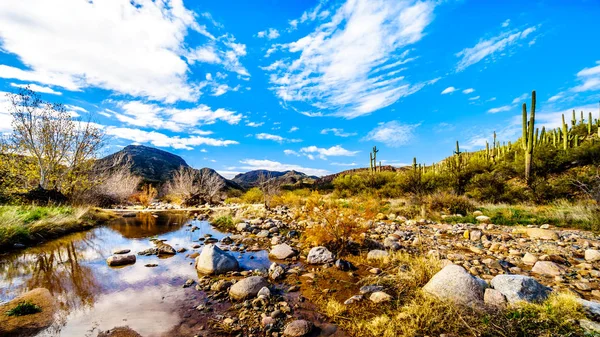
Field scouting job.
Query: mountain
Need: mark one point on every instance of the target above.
(153, 165)
(285, 178)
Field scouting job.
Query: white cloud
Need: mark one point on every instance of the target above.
(258, 164)
(474, 98)
(350, 65)
(468, 91)
(158, 117)
(555, 97)
(323, 153)
(338, 132)
(270, 33)
(73, 45)
(393, 134)
(500, 109)
(590, 78)
(344, 164)
(294, 129)
(520, 99)
(506, 23)
(488, 48)
(228, 174)
(276, 138)
(162, 140)
(223, 51)
(449, 90)
(37, 88)
(291, 153)
(254, 124)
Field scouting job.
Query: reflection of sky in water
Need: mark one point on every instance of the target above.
(96, 296)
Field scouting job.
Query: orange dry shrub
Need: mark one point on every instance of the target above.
(335, 224)
(145, 196)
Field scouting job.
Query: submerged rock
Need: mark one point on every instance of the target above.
(213, 260)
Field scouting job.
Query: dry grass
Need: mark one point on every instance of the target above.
(25, 224)
(415, 313)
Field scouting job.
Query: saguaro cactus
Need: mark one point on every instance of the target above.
(528, 136)
(565, 134)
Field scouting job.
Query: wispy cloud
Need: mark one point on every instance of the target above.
(264, 164)
(449, 90)
(349, 68)
(520, 99)
(323, 153)
(590, 78)
(276, 138)
(490, 48)
(270, 34)
(37, 88)
(254, 124)
(393, 134)
(506, 23)
(162, 140)
(468, 91)
(294, 129)
(338, 132)
(344, 164)
(500, 109)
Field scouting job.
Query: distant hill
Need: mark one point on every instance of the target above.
(285, 178)
(328, 179)
(153, 165)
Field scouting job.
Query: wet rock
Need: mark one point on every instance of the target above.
(541, 234)
(120, 260)
(319, 255)
(344, 265)
(282, 251)
(151, 265)
(592, 255)
(276, 272)
(27, 325)
(520, 288)
(298, 328)
(213, 260)
(380, 297)
(122, 331)
(121, 251)
(189, 283)
(247, 288)
(456, 284)
(221, 285)
(547, 268)
(377, 254)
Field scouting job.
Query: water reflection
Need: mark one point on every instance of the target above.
(94, 296)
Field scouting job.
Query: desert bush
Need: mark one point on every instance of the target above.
(335, 226)
(146, 195)
(449, 203)
(225, 222)
(295, 198)
(253, 196)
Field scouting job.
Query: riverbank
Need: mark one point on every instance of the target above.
(25, 225)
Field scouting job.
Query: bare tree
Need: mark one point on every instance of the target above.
(116, 182)
(212, 185)
(590, 185)
(60, 145)
(184, 183)
(268, 186)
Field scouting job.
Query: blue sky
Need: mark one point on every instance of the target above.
(301, 84)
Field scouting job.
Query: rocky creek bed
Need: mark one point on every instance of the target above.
(171, 274)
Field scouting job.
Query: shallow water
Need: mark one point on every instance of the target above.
(95, 297)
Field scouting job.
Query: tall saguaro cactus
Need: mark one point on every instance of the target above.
(528, 136)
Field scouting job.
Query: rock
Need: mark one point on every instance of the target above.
(189, 283)
(591, 308)
(477, 213)
(298, 328)
(165, 249)
(520, 288)
(592, 255)
(547, 268)
(319, 255)
(590, 326)
(344, 265)
(475, 235)
(247, 288)
(263, 234)
(370, 289)
(377, 254)
(121, 251)
(120, 260)
(494, 297)
(529, 259)
(380, 297)
(282, 251)
(213, 260)
(122, 331)
(264, 291)
(541, 234)
(353, 299)
(456, 284)
(28, 325)
(221, 285)
(276, 271)
(242, 227)
(483, 219)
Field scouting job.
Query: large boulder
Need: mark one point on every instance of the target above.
(456, 284)
(120, 260)
(520, 288)
(319, 255)
(30, 324)
(213, 260)
(541, 234)
(282, 251)
(592, 255)
(247, 288)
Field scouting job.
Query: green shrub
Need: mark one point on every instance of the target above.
(450, 203)
(24, 308)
